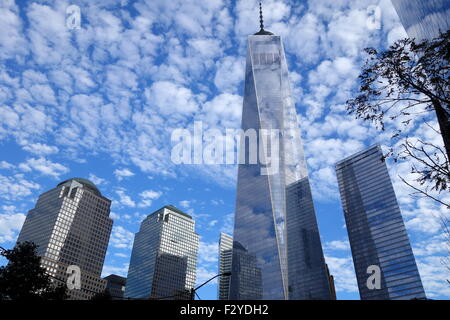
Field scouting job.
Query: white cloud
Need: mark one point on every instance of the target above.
(224, 111)
(344, 274)
(114, 216)
(436, 245)
(24, 121)
(204, 274)
(337, 245)
(147, 197)
(96, 180)
(228, 224)
(121, 238)
(9, 225)
(44, 166)
(40, 149)
(208, 252)
(213, 223)
(217, 202)
(118, 270)
(185, 203)
(6, 165)
(12, 42)
(125, 199)
(434, 274)
(229, 74)
(150, 194)
(123, 173)
(16, 187)
(172, 99)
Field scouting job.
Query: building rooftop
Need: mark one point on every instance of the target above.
(86, 183)
(117, 279)
(354, 157)
(172, 208)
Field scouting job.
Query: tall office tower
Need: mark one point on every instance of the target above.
(225, 254)
(71, 226)
(116, 286)
(375, 228)
(423, 19)
(164, 257)
(277, 253)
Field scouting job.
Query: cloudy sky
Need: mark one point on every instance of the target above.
(101, 101)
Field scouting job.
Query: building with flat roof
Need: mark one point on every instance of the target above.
(377, 234)
(225, 255)
(164, 257)
(70, 224)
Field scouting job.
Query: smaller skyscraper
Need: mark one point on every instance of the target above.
(116, 286)
(376, 230)
(164, 257)
(225, 255)
(70, 224)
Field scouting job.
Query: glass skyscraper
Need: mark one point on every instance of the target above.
(277, 253)
(164, 256)
(375, 228)
(423, 19)
(225, 254)
(70, 224)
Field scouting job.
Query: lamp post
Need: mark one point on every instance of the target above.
(193, 290)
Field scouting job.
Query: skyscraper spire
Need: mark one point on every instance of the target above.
(261, 17)
(261, 23)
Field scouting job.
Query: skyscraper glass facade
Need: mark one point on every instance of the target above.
(164, 256)
(423, 19)
(225, 254)
(277, 252)
(375, 228)
(71, 226)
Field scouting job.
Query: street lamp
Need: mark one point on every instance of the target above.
(193, 290)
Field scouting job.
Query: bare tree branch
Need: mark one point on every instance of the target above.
(424, 193)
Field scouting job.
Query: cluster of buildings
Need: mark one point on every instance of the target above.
(275, 251)
(71, 226)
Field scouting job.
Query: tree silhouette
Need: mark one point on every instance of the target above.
(401, 87)
(23, 278)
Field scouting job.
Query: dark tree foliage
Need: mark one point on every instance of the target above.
(23, 278)
(102, 296)
(404, 84)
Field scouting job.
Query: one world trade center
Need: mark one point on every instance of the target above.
(277, 253)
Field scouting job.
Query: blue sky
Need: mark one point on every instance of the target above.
(101, 102)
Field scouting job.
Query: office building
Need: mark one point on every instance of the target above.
(116, 286)
(277, 252)
(164, 257)
(70, 224)
(376, 230)
(225, 254)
